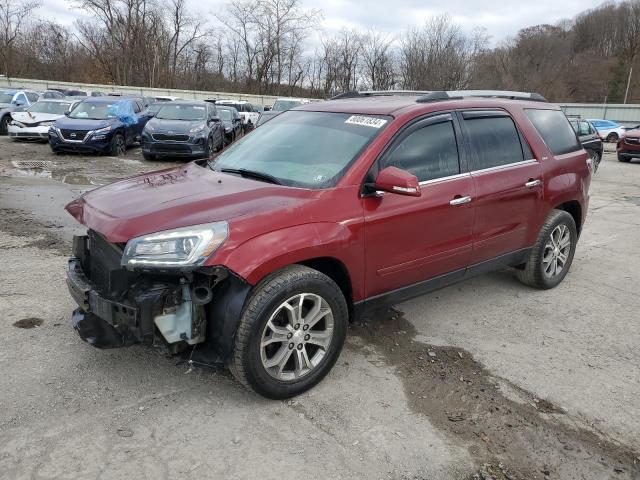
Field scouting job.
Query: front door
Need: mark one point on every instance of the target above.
(412, 239)
(508, 183)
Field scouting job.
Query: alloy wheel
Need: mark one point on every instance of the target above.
(120, 146)
(297, 337)
(556, 251)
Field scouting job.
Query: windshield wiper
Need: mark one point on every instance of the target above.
(252, 174)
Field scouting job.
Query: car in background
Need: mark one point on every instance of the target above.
(608, 131)
(34, 123)
(245, 109)
(14, 100)
(628, 147)
(166, 98)
(280, 105)
(83, 93)
(231, 121)
(51, 94)
(190, 129)
(588, 136)
(100, 125)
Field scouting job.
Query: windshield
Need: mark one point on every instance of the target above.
(282, 105)
(94, 111)
(6, 97)
(56, 108)
(225, 114)
(181, 112)
(304, 149)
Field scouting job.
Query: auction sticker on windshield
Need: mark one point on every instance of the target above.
(365, 121)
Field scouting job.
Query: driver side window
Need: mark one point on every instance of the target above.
(429, 153)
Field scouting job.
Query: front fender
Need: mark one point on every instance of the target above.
(258, 257)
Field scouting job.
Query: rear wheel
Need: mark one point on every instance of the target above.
(290, 334)
(149, 157)
(118, 145)
(209, 149)
(551, 256)
(622, 158)
(612, 137)
(595, 159)
(4, 125)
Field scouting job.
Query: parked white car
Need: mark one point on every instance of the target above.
(608, 131)
(34, 122)
(284, 104)
(248, 113)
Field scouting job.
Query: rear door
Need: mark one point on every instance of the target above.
(412, 239)
(508, 183)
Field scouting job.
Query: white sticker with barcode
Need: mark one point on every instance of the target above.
(365, 121)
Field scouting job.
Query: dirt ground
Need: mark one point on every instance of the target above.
(486, 379)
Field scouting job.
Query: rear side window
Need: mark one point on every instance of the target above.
(429, 153)
(495, 141)
(555, 130)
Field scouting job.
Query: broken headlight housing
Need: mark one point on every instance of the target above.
(180, 247)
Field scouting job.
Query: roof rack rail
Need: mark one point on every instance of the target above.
(455, 94)
(378, 93)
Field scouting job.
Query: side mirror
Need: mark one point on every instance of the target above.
(266, 109)
(395, 180)
(19, 103)
(67, 113)
(214, 119)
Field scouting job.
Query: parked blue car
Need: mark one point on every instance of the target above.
(100, 125)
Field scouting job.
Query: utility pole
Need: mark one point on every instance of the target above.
(626, 94)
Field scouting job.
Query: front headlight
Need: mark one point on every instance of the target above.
(102, 131)
(197, 128)
(46, 124)
(15, 123)
(186, 246)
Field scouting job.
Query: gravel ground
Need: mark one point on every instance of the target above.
(484, 379)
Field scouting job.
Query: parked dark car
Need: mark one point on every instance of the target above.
(184, 128)
(232, 123)
(263, 256)
(589, 138)
(100, 125)
(628, 147)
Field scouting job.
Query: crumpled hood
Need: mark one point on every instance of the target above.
(83, 123)
(35, 117)
(178, 197)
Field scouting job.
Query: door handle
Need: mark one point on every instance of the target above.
(459, 201)
(533, 183)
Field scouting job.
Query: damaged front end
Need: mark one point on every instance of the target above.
(123, 302)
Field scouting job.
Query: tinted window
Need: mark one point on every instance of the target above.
(33, 97)
(555, 130)
(430, 152)
(495, 141)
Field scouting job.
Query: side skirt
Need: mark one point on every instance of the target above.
(385, 300)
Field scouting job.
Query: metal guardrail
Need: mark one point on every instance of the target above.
(40, 85)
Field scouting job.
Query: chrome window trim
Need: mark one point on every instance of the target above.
(505, 167)
(445, 179)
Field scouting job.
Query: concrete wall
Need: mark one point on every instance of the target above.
(40, 85)
(628, 115)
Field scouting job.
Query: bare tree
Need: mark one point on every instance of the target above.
(13, 15)
(378, 61)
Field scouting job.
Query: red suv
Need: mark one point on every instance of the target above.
(260, 258)
(629, 146)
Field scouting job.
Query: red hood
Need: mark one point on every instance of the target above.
(633, 133)
(178, 197)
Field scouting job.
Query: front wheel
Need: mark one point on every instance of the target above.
(149, 157)
(4, 125)
(551, 256)
(118, 145)
(622, 158)
(291, 333)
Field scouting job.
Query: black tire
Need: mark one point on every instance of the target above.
(209, 149)
(612, 137)
(118, 145)
(4, 125)
(533, 273)
(246, 363)
(149, 157)
(595, 158)
(622, 158)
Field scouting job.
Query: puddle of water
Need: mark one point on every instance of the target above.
(30, 322)
(634, 200)
(37, 169)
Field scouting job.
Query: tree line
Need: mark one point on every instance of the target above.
(272, 47)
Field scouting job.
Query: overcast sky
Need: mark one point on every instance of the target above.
(501, 18)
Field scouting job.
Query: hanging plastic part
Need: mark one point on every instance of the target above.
(124, 111)
(177, 324)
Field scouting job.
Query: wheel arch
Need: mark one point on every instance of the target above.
(336, 271)
(573, 208)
